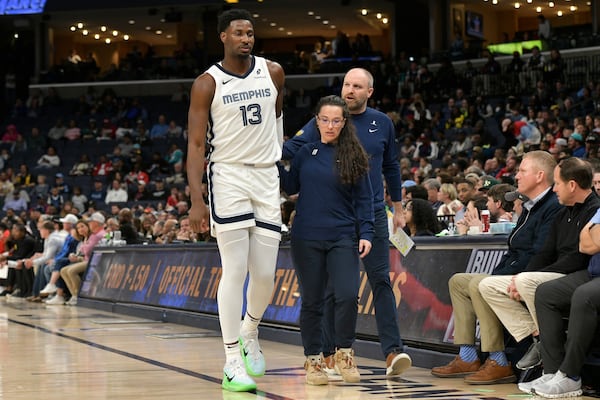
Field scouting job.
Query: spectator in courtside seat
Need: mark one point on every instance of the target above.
(577, 295)
(535, 180)
(71, 274)
(559, 256)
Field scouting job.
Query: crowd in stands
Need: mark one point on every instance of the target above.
(74, 173)
(102, 152)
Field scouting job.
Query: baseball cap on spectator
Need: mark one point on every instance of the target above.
(69, 218)
(577, 137)
(408, 183)
(488, 183)
(59, 175)
(561, 142)
(98, 217)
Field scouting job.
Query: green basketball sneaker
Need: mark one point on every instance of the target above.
(235, 377)
(252, 354)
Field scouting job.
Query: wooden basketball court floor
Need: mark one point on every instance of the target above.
(62, 352)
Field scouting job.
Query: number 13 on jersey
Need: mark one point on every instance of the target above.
(251, 114)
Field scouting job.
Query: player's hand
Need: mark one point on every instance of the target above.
(199, 217)
(364, 247)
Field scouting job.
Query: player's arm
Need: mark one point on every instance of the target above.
(278, 78)
(201, 96)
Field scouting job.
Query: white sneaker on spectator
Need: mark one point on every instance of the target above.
(527, 387)
(12, 298)
(48, 289)
(57, 300)
(558, 387)
(72, 301)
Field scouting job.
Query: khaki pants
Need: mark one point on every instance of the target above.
(469, 307)
(518, 318)
(71, 274)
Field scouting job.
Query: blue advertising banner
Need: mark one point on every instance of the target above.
(13, 7)
(187, 278)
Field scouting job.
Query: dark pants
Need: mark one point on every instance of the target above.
(317, 262)
(58, 265)
(24, 280)
(377, 266)
(575, 295)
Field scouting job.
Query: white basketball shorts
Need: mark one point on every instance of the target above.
(243, 196)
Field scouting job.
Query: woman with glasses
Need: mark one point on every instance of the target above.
(332, 228)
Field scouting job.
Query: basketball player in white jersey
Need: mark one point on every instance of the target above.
(236, 106)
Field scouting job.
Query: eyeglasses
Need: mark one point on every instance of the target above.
(335, 122)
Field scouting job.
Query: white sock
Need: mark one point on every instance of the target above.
(232, 352)
(249, 325)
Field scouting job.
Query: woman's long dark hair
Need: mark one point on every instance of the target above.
(423, 217)
(352, 159)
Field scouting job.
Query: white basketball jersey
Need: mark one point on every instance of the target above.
(242, 122)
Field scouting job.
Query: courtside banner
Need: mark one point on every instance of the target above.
(187, 278)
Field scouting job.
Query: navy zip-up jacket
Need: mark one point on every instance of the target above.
(529, 235)
(376, 133)
(327, 209)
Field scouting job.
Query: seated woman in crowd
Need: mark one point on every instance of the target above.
(420, 218)
(449, 197)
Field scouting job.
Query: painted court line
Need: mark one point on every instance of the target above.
(156, 363)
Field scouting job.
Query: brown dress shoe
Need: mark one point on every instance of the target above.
(456, 369)
(491, 373)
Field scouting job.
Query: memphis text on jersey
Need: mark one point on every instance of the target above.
(246, 95)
